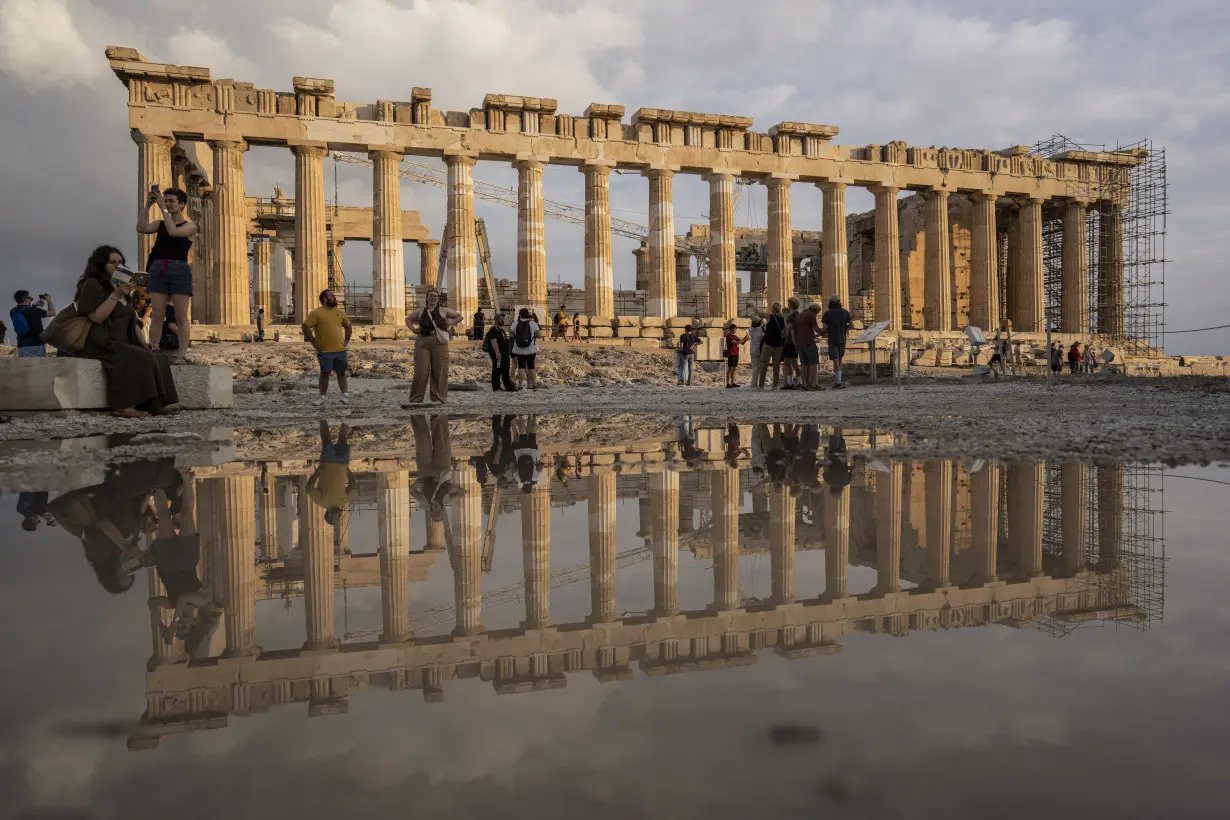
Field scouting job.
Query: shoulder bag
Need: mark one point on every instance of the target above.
(68, 331)
(441, 335)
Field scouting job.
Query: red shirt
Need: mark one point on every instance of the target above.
(732, 344)
(805, 327)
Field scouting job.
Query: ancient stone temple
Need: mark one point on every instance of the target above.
(965, 245)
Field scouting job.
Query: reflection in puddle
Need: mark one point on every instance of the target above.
(670, 554)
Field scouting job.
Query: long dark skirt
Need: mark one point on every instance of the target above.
(136, 377)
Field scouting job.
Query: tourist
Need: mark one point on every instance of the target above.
(478, 332)
(526, 454)
(576, 327)
(498, 346)
(433, 455)
(432, 324)
(1089, 360)
(756, 337)
(499, 457)
(525, 347)
(771, 346)
(176, 554)
(329, 485)
(32, 507)
(327, 328)
(1056, 358)
(837, 473)
(685, 355)
(561, 323)
(27, 318)
(999, 354)
(1074, 358)
(170, 276)
(790, 353)
(837, 323)
(803, 331)
(139, 381)
(730, 349)
(4, 329)
(170, 331)
(260, 324)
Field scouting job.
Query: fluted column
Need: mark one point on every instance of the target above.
(939, 521)
(1030, 316)
(601, 508)
(262, 277)
(536, 555)
(937, 294)
(311, 249)
(781, 543)
(781, 242)
(316, 546)
(889, 487)
(287, 515)
(664, 500)
(461, 266)
(468, 543)
(599, 275)
(984, 501)
(984, 281)
(1074, 514)
(153, 168)
(393, 534)
(429, 263)
(205, 269)
(888, 258)
(388, 262)
(1112, 304)
(723, 286)
(834, 273)
(662, 300)
(233, 520)
(232, 299)
(531, 239)
(266, 498)
(164, 651)
(1026, 490)
(1110, 515)
(283, 279)
(724, 497)
(1074, 291)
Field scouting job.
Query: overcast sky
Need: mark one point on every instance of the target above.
(969, 74)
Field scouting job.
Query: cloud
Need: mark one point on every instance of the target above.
(200, 48)
(40, 45)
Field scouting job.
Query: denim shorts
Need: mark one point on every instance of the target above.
(837, 351)
(32, 352)
(170, 277)
(809, 354)
(335, 454)
(337, 362)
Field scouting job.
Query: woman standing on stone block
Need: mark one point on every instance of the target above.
(170, 276)
(139, 381)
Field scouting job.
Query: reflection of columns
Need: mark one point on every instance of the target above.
(664, 499)
(287, 514)
(153, 168)
(661, 300)
(835, 510)
(889, 487)
(311, 252)
(393, 533)
(937, 294)
(461, 270)
(160, 623)
(233, 520)
(1110, 515)
(781, 242)
(1074, 292)
(1112, 310)
(266, 494)
(536, 554)
(531, 239)
(206, 255)
(1026, 486)
(834, 276)
(722, 284)
(984, 281)
(781, 543)
(1074, 508)
(724, 501)
(468, 544)
(388, 265)
(429, 263)
(939, 521)
(601, 505)
(599, 276)
(232, 296)
(262, 278)
(1030, 316)
(316, 545)
(984, 501)
(888, 258)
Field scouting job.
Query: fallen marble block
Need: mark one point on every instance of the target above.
(60, 383)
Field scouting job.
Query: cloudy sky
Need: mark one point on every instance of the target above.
(932, 73)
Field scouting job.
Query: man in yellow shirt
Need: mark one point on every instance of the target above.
(329, 485)
(327, 328)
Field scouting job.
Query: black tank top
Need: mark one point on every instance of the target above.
(170, 248)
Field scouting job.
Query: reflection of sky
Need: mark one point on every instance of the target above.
(988, 721)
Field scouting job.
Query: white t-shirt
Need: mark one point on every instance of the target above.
(532, 347)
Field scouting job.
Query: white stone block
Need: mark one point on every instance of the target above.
(54, 383)
(202, 387)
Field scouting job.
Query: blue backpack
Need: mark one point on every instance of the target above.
(20, 326)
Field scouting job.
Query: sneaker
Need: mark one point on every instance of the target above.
(345, 398)
(320, 401)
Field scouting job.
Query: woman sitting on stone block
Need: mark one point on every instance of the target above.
(139, 382)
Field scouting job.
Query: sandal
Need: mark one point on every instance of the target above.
(130, 413)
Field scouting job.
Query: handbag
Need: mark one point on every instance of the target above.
(68, 331)
(441, 335)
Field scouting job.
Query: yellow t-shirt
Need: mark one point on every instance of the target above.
(331, 488)
(329, 328)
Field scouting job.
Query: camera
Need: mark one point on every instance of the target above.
(43, 297)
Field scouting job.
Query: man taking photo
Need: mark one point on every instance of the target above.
(27, 319)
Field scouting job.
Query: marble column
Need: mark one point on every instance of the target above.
(781, 543)
(888, 258)
(984, 501)
(937, 294)
(889, 489)
(316, 547)
(599, 273)
(1074, 514)
(164, 651)
(683, 271)
(468, 542)
(835, 515)
(1026, 491)
(724, 498)
(429, 263)
(233, 520)
(282, 273)
(388, 262)
(601, 508)
(461, 264)
(153, 168)
(723, 287)
(834, 273)
(939, 521)
(1074, 291)
(262, 277)
(1110, 515)
(311, 248)
(287, 515)
(661, 300)
(231, 301)
(205, 271)
(1031, 314)
(1112, 304)
(780, 242)
(531, 239)
(984, 280)
(393, 541)
(536, 554)
(664, 499)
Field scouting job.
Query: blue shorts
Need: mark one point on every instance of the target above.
(171, 277)
(337, 362)
(837, 351)
(335, 454)
(32, 352)
(809, 354)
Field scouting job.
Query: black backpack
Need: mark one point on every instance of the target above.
(525, 334)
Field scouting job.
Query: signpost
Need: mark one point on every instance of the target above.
(869, 336)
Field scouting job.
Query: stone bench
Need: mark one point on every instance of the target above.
(57, 383)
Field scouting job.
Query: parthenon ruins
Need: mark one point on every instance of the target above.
(978, 258)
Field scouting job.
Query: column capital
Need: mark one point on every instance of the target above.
(228, 144)
(602, 166)
(778, 176)
(938, 193)
(718, 172)
(459, 157)
(142, 138)
(884, 188)
(836, 182)
(983, 196)
(309, 149)
(531, 159)
(660, 170)
(429, 243)
(384, 152)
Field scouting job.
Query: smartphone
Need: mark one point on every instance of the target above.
(154, 189)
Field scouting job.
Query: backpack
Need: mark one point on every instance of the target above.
(20, 326)
(525, 335)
